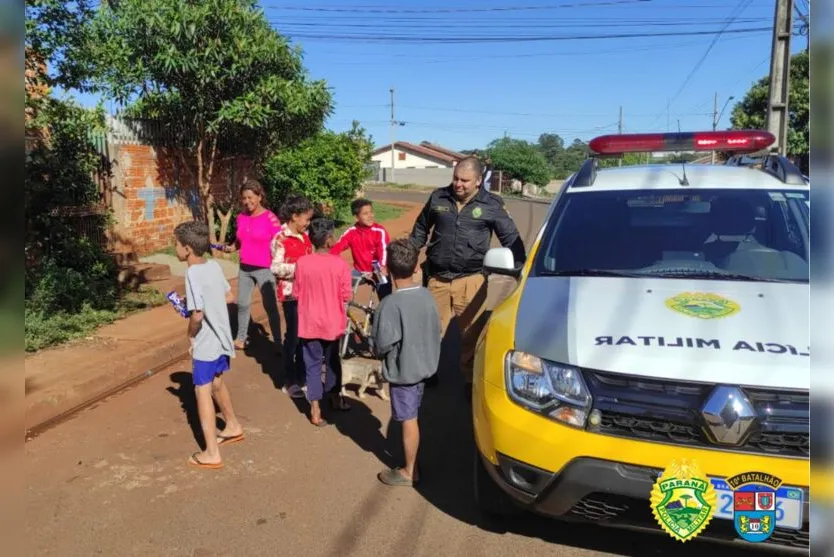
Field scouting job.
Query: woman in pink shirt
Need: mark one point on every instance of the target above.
(256, 226)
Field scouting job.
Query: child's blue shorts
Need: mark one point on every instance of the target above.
(205, 372)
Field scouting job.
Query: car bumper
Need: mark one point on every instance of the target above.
(613, 494)
(560, 471)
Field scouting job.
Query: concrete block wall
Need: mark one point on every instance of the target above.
(434, 177)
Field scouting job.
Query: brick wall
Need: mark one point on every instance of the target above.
(153, 192)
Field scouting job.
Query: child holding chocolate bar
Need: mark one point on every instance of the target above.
(207, 292)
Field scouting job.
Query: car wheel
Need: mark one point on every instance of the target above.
(491, 499)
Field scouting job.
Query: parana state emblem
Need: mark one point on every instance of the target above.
(683, 500)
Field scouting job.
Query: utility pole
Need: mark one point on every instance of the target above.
(620, 131)
(714, 123)
(393, 124)
(716, 116)
(780, 62)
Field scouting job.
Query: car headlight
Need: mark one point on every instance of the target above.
(554, 390)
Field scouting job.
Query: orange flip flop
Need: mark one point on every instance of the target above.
(194, 461)
(229, 440)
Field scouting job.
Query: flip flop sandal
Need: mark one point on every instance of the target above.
(321, 423)
(393, 477)
(221, 440)
(195, 462)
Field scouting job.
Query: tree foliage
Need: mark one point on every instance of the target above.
(328, 168)
(56, 32)
(520, 160)
(65, 271)
(215, 72)
(563, 161)
(751, 112)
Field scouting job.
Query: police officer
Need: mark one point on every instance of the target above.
(462, 218)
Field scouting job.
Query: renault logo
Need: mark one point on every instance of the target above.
(729, 415)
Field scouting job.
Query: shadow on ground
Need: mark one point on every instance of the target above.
(184, 391)
(447, 450)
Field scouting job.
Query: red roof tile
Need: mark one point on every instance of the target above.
(434, 152)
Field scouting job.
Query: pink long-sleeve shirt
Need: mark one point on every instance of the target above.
(255, 236)
(322, 288)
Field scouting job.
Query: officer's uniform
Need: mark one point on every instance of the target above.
(455, 258)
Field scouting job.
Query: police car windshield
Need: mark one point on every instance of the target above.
(717, 234)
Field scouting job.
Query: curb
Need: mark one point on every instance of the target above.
(45, 414)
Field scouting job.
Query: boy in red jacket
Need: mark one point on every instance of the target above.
(368, 242)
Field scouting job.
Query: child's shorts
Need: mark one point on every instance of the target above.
(204, 372)
(405, 401)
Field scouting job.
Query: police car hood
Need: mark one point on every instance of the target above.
(728, 332)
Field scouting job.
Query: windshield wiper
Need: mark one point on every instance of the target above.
(587, 273)
(709, 273)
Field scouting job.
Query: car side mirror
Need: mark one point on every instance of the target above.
(500, 261)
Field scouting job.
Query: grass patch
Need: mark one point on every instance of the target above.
(382, 212)
(43, 331)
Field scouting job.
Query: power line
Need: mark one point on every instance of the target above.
(378, 10)
(517, 39)
(740, 7)
(499, 26)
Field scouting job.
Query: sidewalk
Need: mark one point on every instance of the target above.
(60, 378)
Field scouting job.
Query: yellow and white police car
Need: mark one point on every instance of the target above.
(661, 320)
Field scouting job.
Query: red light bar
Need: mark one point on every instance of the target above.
(747, 141)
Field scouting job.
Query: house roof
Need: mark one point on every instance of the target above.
(435, 147)
(425, 149)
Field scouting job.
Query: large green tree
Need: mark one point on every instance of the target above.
(328, 168)
(551, 146)
(520, 160)
(751, 112)
(215, 72)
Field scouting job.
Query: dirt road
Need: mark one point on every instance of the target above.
(114, 481)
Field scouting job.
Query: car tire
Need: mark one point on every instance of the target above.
(491, 499)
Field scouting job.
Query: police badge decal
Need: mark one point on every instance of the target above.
(754, 504)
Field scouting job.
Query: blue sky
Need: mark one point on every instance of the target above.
(464, 94)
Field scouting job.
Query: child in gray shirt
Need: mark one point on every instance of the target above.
(406, 335)
(207, 292)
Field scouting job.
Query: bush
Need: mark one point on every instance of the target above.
(69, 280)
(519, 160)
(328, 168)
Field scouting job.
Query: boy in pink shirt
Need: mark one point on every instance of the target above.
(323, 288)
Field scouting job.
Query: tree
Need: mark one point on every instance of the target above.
(364, 144)
(551, 146)
(56, 32)
(520, 160)
(570, 160)
(751, 112)
(328, 168)
(216, 73)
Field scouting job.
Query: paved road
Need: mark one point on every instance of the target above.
(113, 481)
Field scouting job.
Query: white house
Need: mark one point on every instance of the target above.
(409, 155)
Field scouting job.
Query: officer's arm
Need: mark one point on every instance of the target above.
(507, 233)
(420, 232)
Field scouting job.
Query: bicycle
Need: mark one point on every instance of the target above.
(359, 329)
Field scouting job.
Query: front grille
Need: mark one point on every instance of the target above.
(600, 507)
(670, 412)
(618, 509)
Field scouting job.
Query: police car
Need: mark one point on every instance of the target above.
(661, 317)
